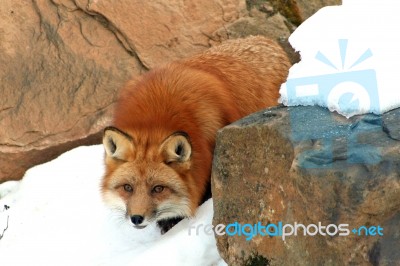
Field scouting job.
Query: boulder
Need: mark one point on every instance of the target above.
(309, 166)
(63, 62)
(60, 73)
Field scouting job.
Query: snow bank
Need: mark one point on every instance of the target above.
(350, 59)
(56, 217)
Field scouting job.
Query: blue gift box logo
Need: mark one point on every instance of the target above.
(351, 91)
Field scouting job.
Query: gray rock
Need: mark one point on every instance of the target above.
(307, 165)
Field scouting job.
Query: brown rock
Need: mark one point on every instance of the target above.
(63, 62)
(307, 165)
(159, 31)
(308, 8)
(60, 73)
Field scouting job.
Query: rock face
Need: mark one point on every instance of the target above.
(63, 62)
(306, 165)
(61, 70)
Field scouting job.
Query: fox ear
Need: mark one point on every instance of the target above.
(176, 148)
(118, 144)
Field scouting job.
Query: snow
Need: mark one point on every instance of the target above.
(56, 217)
(350, 58)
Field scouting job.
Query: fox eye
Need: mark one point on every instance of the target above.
(157, 189)
(128, 188)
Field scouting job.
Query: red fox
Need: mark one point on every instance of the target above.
(159, 149)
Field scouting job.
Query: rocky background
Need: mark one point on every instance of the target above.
(308, 165)
(62, 62)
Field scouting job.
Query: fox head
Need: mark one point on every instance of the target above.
(147, 182)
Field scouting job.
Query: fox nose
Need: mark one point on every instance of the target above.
(137, 219)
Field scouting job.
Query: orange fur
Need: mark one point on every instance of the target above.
(198, 95)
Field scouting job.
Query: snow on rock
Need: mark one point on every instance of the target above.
(349, 59)
(55, 216)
